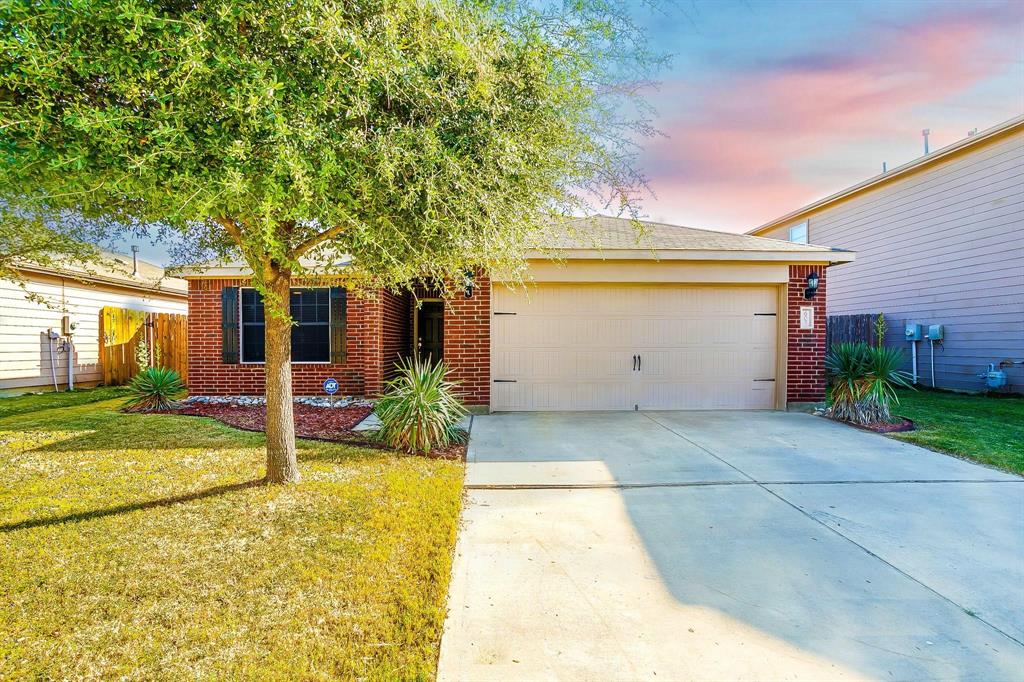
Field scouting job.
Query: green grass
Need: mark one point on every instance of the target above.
(141, 546)
(33, 402)
(980, 428)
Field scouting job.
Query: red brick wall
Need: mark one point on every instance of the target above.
(395, 331)
(467, 342)
(361, 374)
(805, 355)
(467, 338)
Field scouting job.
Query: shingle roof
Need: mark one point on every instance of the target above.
(606, 233)
(605, 236)
(116, 268)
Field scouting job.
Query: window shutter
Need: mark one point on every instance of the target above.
(229, 325)
(339, 325)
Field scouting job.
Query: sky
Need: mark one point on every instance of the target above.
(768, 106)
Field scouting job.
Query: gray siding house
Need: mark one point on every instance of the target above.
(939, 240)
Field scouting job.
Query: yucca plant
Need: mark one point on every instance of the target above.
(864, 381)
(154, 388)
(420, 410)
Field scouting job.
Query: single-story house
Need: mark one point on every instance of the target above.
(31, 360)
(676, 318)
(939, 241)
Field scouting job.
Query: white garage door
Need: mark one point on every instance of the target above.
(621, 347)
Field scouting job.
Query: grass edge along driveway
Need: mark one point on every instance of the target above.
(141, 546)
(976, 427)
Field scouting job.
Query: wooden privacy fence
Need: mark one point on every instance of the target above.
(850, 329)
(122, 330)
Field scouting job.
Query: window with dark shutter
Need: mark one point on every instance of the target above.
(339, 325)
(312, 334)
(229, 325)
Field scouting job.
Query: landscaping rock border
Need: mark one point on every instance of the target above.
(254, 400)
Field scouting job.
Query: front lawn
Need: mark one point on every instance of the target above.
(984, 429)
(142, 547)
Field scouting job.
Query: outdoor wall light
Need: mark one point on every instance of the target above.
(812, 285)
(467, 284)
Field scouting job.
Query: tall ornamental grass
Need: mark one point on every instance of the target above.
(864, 381)
(420, 410)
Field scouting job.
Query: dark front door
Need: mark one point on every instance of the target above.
(430, 328)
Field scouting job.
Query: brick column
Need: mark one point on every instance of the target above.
(805, 354)
(467, 342)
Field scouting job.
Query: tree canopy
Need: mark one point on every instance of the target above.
(418, 137)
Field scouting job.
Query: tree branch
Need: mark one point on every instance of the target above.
(316, 240)
(232, 228)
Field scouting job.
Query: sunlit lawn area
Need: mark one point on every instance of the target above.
(984, 429)
(142, 547)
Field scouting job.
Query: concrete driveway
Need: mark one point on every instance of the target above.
(728, 546)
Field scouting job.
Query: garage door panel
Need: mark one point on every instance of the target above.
(571, 347)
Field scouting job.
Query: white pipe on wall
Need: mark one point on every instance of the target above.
(70, 348)
(931, 342)
(913, 355)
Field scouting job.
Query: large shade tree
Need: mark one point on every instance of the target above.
(421, 138)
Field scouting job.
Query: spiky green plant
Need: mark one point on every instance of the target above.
(154, 388)
(864, 381)
(421, 409)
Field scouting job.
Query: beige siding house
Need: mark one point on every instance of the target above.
(940, 240)
(25, 346)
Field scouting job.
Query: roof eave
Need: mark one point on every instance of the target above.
(830, 256)
(157, 287)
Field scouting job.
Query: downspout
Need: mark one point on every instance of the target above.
(53, 365)
(70, 348)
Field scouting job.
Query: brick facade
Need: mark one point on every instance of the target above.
(378, 333)
(805, 352)
(361, 374)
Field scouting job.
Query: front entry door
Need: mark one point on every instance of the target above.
(430, 331)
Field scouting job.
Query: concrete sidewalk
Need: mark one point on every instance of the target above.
(746, 546)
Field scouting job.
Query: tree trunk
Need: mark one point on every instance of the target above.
(282, 466)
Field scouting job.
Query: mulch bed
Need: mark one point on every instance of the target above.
(332, 424)
(903, 424)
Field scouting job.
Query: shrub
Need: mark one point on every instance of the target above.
(864, 381)
(420, 410)
(154, 388)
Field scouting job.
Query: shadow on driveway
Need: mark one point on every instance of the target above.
(755, 545)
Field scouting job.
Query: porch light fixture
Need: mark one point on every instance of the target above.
(468, 284)
(812, 285)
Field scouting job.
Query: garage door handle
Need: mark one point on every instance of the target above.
(639, 362)
(634, 363)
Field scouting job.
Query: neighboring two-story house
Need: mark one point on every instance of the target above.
(940, 240)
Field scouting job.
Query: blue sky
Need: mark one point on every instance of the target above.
(767, 106)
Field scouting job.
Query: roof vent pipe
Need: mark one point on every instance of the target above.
(925, 133)
(135, 260)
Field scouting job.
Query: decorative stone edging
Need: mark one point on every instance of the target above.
(248, 400)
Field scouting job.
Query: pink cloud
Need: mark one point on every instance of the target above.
(732, 159)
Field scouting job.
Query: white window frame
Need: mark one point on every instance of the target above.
(241, 331)
(806, 225)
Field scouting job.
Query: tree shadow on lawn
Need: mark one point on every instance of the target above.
(128, 508)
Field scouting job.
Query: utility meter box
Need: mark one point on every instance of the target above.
(68, 325)
(913, 332)
(935, 332)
